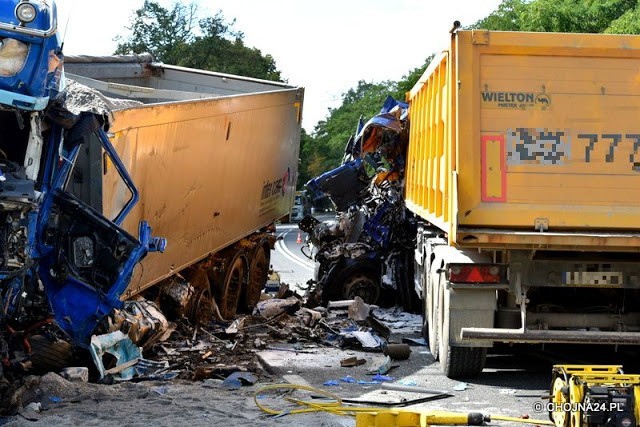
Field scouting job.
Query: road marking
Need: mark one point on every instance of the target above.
(282, 248)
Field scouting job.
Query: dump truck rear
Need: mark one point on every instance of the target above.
(524, 166)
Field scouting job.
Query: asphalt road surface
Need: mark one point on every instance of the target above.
(288, 260)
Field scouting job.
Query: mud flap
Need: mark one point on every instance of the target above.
(470, 307)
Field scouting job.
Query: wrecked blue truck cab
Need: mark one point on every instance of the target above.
(31, 69)
(63, 265)
(367, 250)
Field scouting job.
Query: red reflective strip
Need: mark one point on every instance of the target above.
(473, 274)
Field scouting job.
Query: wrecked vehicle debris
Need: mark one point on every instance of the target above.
(364, 253)
(81, 172)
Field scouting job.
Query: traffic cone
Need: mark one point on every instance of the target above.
(299, 239)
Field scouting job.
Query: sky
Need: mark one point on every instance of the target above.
(325, 46)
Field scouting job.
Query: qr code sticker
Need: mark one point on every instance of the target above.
(537, 146)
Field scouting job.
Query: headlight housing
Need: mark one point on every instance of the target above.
(26, 12)
(13, 54)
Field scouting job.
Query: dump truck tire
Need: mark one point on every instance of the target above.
(408, 297)
(463, 362)
(432, 318)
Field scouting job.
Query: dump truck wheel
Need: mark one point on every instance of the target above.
(201, 307)
(258, 271)
(433, 318)
(457, 362)
(49, 355)
(405, 284)
(235, 280)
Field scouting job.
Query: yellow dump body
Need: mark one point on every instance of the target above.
(513, 133)
(214, 156)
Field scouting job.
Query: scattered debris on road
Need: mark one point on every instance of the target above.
(227, 351)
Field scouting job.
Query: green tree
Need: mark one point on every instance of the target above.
(409, 80)
(627, 23)
(161, 32)
(331, 135)
(508, 17)
(324, 149)
(306, 141)
(584, 16)
(177, 37)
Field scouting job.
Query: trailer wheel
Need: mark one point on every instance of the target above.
(457, 362)
(49, 355)
(200, 306)
(235, 279)
(258, 271)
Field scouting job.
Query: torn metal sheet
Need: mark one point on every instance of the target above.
(368, 340)
(121, 349)
(366, 252)
(142, 319)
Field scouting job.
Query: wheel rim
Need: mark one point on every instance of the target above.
(559, 417)
(233, 284)
(363, 286)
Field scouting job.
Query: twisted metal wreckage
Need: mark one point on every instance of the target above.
(63, 265)
(367, 251)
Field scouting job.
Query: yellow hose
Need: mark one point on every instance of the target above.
(336, 407)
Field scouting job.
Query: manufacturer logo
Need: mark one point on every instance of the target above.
(277, 186)
(515, 100)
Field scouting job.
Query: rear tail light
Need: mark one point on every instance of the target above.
(477, 273)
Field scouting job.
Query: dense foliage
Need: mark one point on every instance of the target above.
(178, 37)
(324, 149)
(571, 16)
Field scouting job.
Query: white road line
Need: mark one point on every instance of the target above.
(282, 248)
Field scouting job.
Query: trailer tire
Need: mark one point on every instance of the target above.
(228, 292)
(457, 362)
(258, 270)
(49, 355)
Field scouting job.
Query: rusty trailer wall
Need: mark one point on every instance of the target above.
(214, 158)
(210, 172)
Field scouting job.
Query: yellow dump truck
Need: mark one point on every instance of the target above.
(214, 157)
(524, 166)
